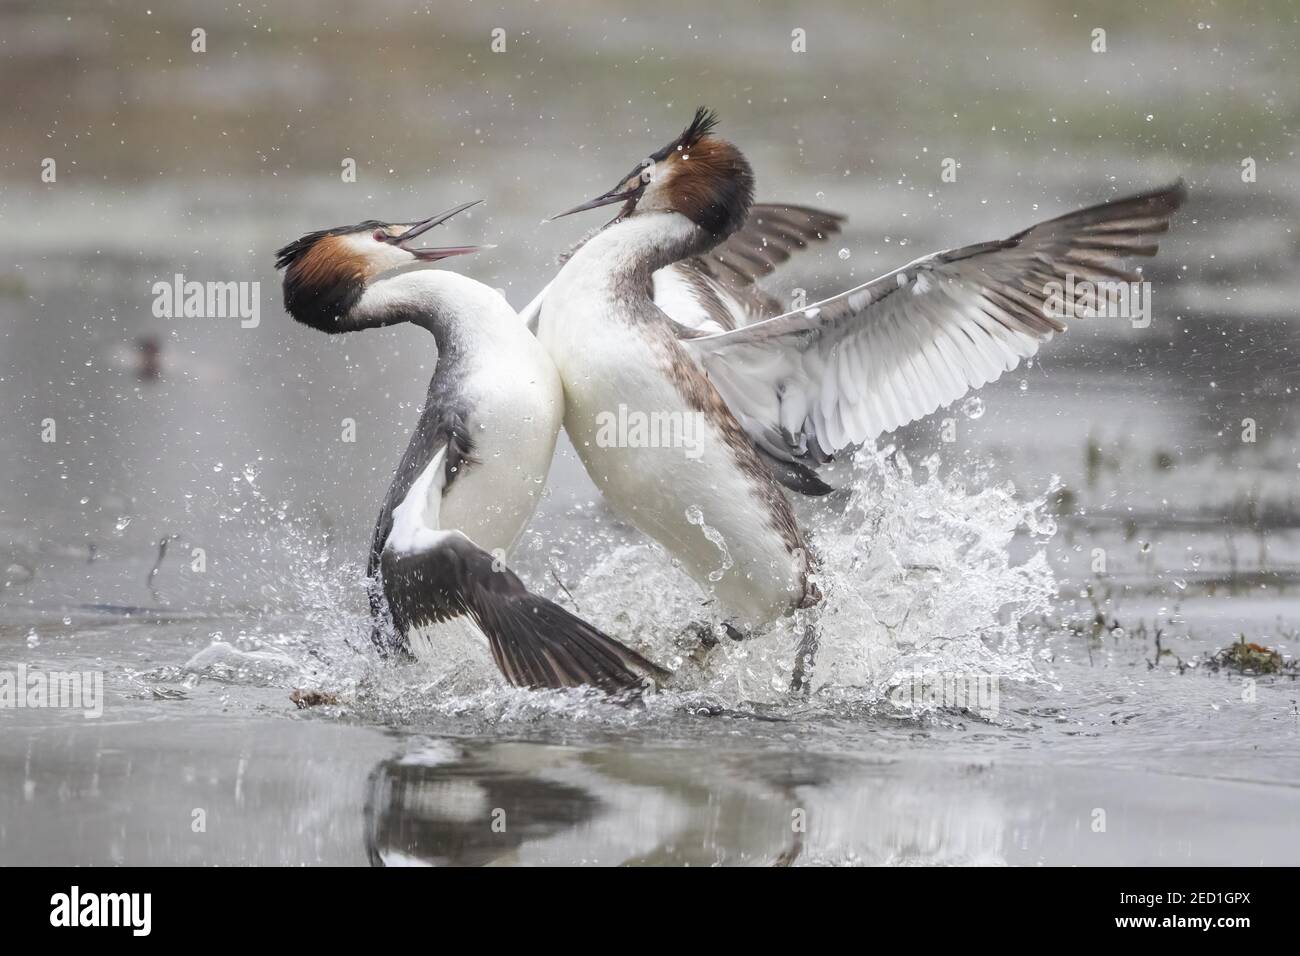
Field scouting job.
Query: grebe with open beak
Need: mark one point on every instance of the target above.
(476, 465)
(780, 396)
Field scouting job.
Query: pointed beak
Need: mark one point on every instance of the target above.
(424, 225)
(607, 199)
(446, 252)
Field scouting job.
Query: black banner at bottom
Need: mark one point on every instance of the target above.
(285, 904)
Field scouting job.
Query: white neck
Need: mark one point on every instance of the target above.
(459, 311)
(639, 245)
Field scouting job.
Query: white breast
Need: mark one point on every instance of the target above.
(687, 493)
(516, 407)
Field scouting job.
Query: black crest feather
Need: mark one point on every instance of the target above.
(320, 300)
(287, 255)
(704, 123)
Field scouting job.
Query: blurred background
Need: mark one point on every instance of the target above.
(228, 439)
(202, 163)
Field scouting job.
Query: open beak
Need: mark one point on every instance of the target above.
(607, 199)
(419, 228)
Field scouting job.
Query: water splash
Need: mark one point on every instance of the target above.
(920, 575)
(917, 575)
(695, 516)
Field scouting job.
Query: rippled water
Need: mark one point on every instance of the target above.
(1115, 734)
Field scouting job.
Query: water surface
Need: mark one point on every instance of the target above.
(1116, 738)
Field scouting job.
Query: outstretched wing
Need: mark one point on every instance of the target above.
(432, 575)
(535, 642)
(717, 291)
(842, 371)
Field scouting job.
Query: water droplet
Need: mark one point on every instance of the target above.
(1180, 584)
(16, 574)
(696, 517)
(844, 253)
(973, 407)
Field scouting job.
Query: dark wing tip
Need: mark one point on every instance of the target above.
(535, 642)
(539, 644)
(1140, 214)
(1165, 200)
(813, 215)
(1174, 195)
(795, 475)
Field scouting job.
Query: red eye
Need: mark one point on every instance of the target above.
(381, 236)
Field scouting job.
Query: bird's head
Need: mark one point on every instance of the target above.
(326, 271)
(702, 177)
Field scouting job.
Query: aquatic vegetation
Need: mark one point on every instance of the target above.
(302, 699)
(1247, 657)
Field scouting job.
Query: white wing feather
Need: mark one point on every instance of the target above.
(846, 369)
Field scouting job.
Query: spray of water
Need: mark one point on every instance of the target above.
(916, 571)
(917, 576)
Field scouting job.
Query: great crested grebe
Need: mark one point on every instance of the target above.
(475, 467)
(789, 390)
